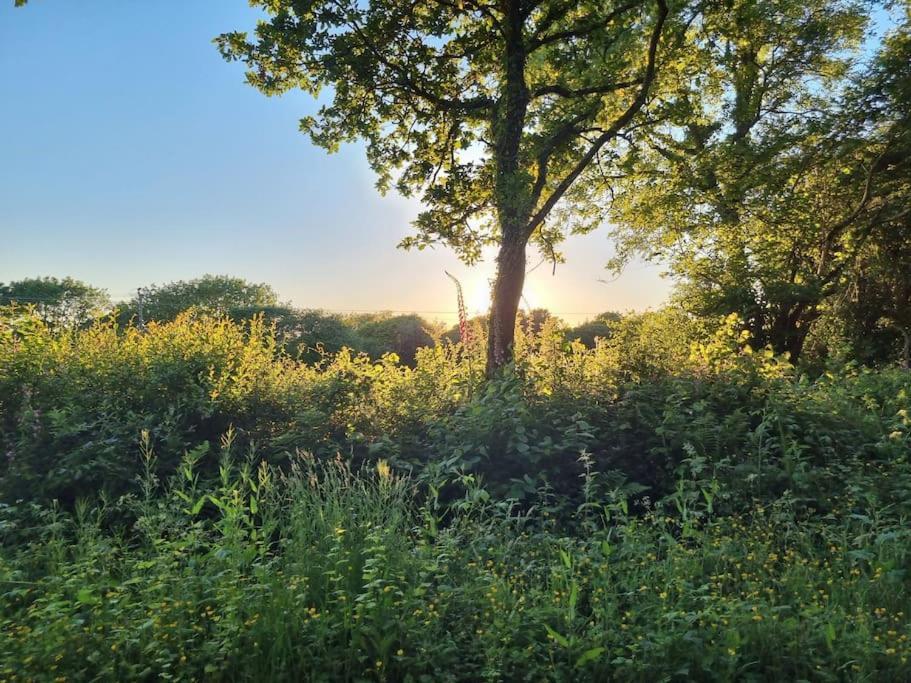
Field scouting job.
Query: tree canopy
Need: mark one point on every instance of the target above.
(488, 111)
(767, 191)
(213, 294)
(57, 301)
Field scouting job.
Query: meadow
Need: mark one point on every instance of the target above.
(191, 502)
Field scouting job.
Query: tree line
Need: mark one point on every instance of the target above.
(303, 333)
(311, 334)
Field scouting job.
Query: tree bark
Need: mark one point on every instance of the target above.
(507, 292)
(790, 329)
(511, 191)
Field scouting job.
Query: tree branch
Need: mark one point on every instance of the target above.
(460, 5)
(563, 91)
(578, 31)
(442, 103)
(833, 231)
(614, 128)
(555, 12)
(565, 132)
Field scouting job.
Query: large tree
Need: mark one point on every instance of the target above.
(769, 175)
(873, 308)
(491, 111)
(213, 294)
(59, 302)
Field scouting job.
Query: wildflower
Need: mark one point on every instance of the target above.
(464, 332)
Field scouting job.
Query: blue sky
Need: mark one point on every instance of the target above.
(133, 154)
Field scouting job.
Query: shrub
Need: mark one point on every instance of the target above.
(324, 573)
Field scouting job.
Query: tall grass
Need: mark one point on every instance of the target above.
(324, 573)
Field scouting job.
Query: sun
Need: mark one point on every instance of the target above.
(477, 297)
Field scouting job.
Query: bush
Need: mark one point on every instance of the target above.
(324, 573)
(402, 335)
(74, 403)
(191, 502)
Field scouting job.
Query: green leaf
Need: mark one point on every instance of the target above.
(197, 506)
(556, 636)
(86, 596)
(589, 655)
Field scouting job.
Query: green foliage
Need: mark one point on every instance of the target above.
(212, 294)
(59, 302)
(668, 504)
(186, 382)
(305, 334)
(776, 186)
(328, 574)
(402, 335)
(636, 403)
(600, 327)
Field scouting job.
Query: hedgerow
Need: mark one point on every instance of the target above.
(187, 502)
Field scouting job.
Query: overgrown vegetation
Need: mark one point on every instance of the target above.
(189, 502)
(206, 483)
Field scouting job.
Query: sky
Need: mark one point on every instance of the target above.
(132, 154)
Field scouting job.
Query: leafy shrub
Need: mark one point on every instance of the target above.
(668, 504)
(324, 573)
(73, 403)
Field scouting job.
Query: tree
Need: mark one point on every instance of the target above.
(873, 307)
(214, 294)
(533, 321)
(402, 335)
(490, 110)
(768, 174)
(58, 302)
(600, 327)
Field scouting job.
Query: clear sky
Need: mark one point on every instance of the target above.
(132, 154)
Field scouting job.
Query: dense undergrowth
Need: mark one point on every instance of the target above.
(186, 503)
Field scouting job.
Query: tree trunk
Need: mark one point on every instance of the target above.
(507, 291)
(796, 342)
(905, 357)
(790, 328)
(511, 193)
